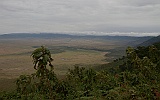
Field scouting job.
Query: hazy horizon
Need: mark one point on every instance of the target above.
(94, 33)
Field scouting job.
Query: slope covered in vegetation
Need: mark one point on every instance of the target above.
(137, 78)
(151, 41)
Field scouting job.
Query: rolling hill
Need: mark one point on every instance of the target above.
(151, 41)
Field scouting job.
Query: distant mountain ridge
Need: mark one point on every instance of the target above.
(33, 35)
(151, 41)
(134, 41)
(57, 35)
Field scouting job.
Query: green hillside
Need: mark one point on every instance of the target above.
(151, 41)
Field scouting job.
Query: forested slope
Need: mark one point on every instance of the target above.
(151, 41)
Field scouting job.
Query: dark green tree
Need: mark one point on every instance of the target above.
(43, 81)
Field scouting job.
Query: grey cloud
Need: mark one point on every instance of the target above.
(138, 2)
(79, 15)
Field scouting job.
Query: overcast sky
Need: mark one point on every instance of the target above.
(98, 16)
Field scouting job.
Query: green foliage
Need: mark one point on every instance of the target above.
(42, 83)
(137, 78)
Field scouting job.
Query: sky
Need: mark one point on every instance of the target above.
(130, 17)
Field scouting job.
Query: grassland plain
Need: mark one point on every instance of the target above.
(14, 65)
(15, 59)
(15, 55)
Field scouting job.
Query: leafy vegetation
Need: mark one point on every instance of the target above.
(137, 78)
